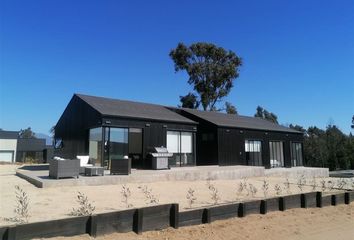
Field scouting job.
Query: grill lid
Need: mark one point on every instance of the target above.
(160, 150)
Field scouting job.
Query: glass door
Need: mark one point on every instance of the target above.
(136, 147)
(115, 145)
(181, 145)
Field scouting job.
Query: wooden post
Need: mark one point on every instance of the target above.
(319, 199)
(347, 198)
(138, 221)
(282, 205)
(174, 216)
(206, 216)
(11, 233)
(334, 200)
(241, 210)
(91, 228)
(264, 206)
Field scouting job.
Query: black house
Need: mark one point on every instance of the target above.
(226, 139)
(106, 128)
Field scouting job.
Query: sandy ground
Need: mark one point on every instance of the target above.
(297, 224)
(55, 203)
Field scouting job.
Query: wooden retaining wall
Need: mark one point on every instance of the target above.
(164, 216)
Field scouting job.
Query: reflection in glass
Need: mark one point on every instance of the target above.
(95, 145)
(253, 151)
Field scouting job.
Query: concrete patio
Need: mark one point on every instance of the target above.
(39, 176)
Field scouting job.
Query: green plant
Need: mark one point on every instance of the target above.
(213, 192)
(287, 186)
(331, 185)
(301, 182)
(190, 197)
(341, 183)
(22, 207)
(277, 189)
(314, 184)
(126, 193)
(150, 198)
(323, 185)
(265, 187)
(253, 190)
(85, 207)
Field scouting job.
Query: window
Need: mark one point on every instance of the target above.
(95, 145)
(296, 154)
(276, 154)
(253, 151)
(181, 145)
(118, 143)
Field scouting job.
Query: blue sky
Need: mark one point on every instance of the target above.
(298, 55)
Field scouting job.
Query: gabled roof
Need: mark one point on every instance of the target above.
(8, 134)
(129, 109)
(236, 121)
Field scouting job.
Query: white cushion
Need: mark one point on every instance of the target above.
(84, 160)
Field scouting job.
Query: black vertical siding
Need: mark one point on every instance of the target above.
(154, 132)
(231, 143)
(73, 126)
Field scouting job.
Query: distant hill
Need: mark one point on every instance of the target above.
(48, 139)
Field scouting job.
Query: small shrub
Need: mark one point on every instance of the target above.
(314, 184)
(341, 183)
(277, 189)
(213, 192)
(245, 186)
(301, 182)
(331, 185)
(287, 186)
(190, 197)
(150, 198)
(85, 207)
(265, 187)
(253, 190)
(240, 189)
(323, 185)
(126, 193)
(22, 207)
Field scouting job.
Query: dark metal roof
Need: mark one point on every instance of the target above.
(8, 134)
(129, 109)
(236, 121)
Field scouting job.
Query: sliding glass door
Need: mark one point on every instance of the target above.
(253, 149)
(182, 147)
(276, 154)
(95, 145)
(296, 154)
(136, 147)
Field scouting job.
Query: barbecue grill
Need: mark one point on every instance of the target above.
(159, 157)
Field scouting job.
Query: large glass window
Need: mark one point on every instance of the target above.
(116, 144)
(181, 145)
(296, 154)
(276, 154)
(253, 151)
(95, 145)
(136, 147)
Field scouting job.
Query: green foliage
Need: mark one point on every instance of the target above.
(230, 109)
(85, 207)
(264, 114)
(189, 101)
(27, 133)
(211, 71)
(329, 148)
(22, 207)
